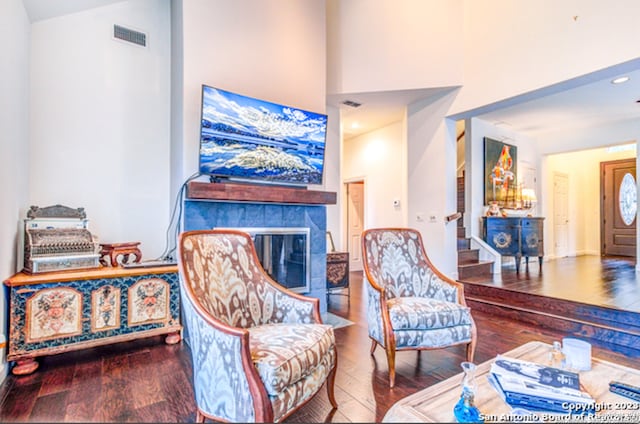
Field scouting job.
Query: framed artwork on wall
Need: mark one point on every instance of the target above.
(500, 171)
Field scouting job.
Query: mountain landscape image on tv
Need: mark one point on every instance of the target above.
(245, 138)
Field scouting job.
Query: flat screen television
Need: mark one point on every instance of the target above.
(243, 138)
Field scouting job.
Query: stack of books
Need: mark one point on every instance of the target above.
(539, 388)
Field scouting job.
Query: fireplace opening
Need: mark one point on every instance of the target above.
(284, 254)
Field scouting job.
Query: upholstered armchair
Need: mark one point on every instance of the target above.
(411, 305)
(259, 351)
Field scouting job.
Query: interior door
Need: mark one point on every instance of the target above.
(618, 207)
(561, 214)
(355, 223)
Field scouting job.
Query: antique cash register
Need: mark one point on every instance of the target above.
(57, 238)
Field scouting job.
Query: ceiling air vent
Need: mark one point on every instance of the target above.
(351, 103)
(129, 35)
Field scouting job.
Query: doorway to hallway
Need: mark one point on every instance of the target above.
(355, 223)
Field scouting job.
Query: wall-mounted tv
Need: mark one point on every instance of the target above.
(243, 138)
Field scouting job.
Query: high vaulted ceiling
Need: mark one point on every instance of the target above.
(588, 101)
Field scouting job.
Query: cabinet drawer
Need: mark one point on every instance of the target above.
(534, 225)
(502, 225)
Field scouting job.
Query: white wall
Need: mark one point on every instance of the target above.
(527, 156)
(333, 176)
(377, 158)
(394, 44)
(99, 128)
(14, 141)
(273, 50)
(431, 147)
(583, 171)
(177, 98)
(514, 47)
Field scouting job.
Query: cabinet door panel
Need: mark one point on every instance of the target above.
(532, 237)
(503, 234)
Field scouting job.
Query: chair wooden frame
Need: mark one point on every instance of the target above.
(389, 335)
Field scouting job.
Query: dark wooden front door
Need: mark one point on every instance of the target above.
(618, 228)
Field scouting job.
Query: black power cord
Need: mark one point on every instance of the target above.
(167, 253)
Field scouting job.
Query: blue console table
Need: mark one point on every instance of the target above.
(515, 236)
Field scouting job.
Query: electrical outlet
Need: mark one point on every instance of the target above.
(433, 217)
(420, 216)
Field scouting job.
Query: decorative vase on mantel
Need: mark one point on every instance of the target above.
(465, 410)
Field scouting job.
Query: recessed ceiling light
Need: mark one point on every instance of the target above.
(620, 80)
(355, 125)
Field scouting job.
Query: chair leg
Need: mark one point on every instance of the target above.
(471, 349)
(391, 359)
(374, 344)
(330, 384)
(199, 416)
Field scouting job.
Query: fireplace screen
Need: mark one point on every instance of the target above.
(284, 254)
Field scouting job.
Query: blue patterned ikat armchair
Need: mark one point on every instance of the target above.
(411, 305)
(259, 351)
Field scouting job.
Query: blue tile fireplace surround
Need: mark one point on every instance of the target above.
(214, 209)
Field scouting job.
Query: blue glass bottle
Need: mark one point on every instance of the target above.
(465, 410)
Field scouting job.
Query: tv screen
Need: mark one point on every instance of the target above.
(244, 138)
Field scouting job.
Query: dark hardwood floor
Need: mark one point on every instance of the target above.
(148, 381)
(594, 280)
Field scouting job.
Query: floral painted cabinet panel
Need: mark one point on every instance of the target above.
(62, 311)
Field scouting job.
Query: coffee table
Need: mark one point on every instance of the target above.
(435, 404)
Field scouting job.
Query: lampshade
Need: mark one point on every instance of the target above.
(529, 194)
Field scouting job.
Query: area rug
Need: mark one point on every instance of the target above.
(335, 320)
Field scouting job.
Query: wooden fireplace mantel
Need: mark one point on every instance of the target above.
(198, 190)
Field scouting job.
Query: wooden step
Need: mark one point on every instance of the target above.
(603, 325)
(475, 270)
(464, 243)
(461, 232)
(468, 256)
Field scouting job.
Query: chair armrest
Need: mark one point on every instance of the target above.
(452, 291)
(226, 382)
(377, 311)
(297, 308)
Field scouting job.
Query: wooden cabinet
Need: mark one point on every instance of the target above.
(58, 312)
(515, 236)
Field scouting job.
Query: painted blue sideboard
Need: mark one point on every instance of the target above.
(515, 236)
(57, 312)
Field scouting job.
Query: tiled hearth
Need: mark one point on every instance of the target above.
(202, 214)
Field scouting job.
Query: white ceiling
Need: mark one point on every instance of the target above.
(593, 104)
(378, 109)
(587, 101)
(44, 9)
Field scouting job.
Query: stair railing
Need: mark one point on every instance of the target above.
(487, 253)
